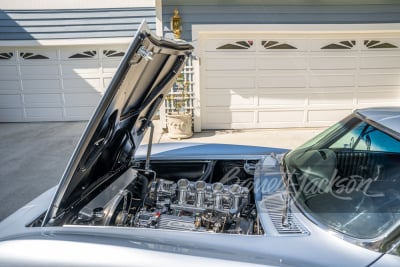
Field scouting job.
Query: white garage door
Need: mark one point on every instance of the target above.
(56, 83)
(261, 81)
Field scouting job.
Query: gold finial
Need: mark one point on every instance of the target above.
(176, 24)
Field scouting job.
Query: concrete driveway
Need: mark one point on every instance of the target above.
(33, 156)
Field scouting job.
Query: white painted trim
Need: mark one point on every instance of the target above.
(159, 25)
(73, 4)
(196, 91)
(67, 42)
(297, 28)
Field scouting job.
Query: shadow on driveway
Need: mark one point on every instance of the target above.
(33, 157)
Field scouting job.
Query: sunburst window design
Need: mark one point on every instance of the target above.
(6, 55)
(276, 45)
(28, 55)
(373, 44)
(85, 54)
(113, 53)
(237, 45)
(340, 45)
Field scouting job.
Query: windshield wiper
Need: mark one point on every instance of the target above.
(286, 204)
(285, 212)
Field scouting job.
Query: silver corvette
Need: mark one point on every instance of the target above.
(334, 201)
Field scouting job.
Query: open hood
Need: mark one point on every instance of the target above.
(145, 75)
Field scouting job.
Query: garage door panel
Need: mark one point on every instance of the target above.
(278, 125)
(82, 84)
(81, 76)
(286, 117)
(80, 67)
(382, 79)
(380, 61)
(10, 101)
(55, 83)
(395, 71)
(280, 90)
(8, 72)
(282, 81)
(29, 84)
(225, 99)
(218, 115)
(333, 62)
(332, 80)
(230, 82)
(323, 90)
(328, 98)
(381, 88)
(43, 100)
(78, 113)
(327, 116)
(10, 86)
(218, 119)
(242, 116)
(282, 63)
(82, 99)
(278, 72)
(383, 98)
(42, 113)
(230, 63)
(309, 82)
(110, 66)
(39, 71)
(271, 100)
(11, 114)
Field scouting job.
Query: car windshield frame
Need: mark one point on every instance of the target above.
(325, 189)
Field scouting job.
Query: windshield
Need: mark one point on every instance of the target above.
(348, 178)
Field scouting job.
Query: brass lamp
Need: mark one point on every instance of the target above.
(176, 24)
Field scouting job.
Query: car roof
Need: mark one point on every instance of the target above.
(388, 117)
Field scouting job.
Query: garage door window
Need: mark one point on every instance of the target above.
(6, 55)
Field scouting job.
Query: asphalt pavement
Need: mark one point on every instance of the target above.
(33, 156)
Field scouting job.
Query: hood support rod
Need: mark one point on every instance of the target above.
(149, 145)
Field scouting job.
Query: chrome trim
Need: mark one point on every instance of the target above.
(271, 217)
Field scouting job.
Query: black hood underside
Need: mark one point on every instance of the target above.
(143, 78)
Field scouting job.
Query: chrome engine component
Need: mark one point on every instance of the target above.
(199, 196)
(217, 189)
(183, 223)
(174, 205)
(183, 188)
(200, 188)
(195, 206)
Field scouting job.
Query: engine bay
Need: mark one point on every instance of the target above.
(202, 196)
